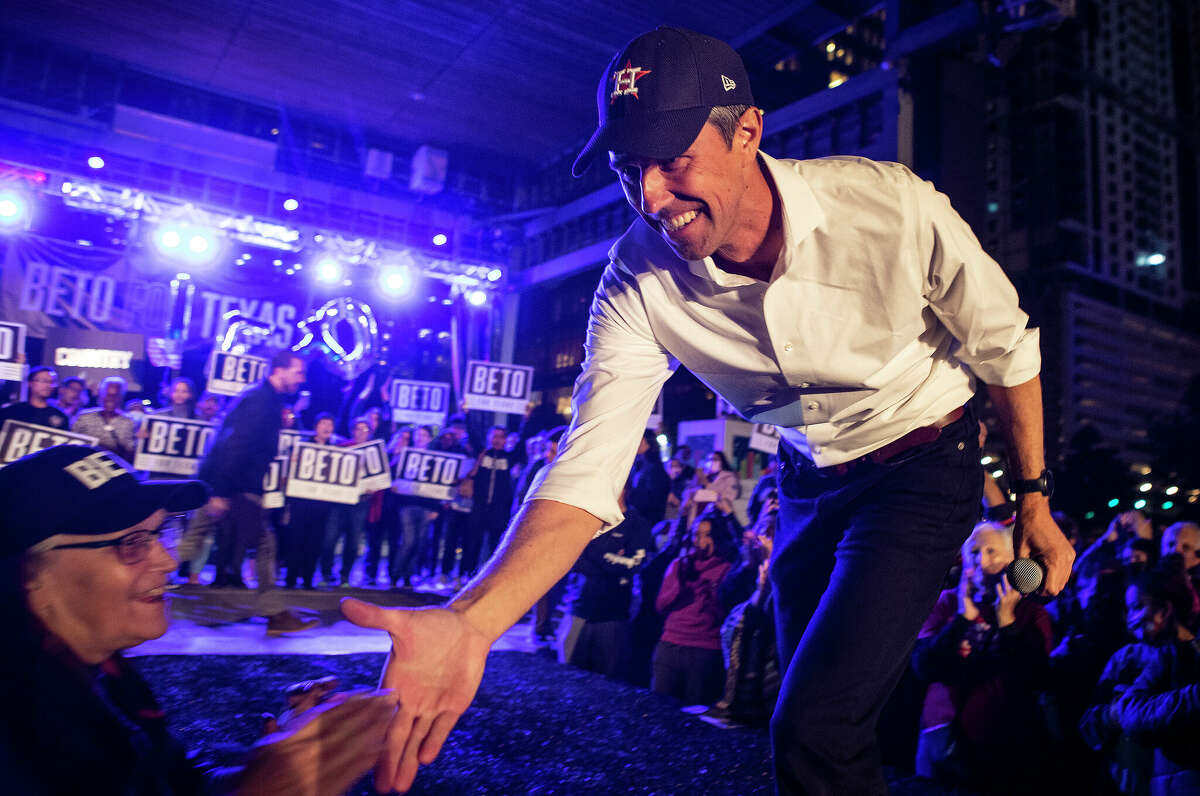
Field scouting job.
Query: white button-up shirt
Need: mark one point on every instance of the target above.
(880, 312)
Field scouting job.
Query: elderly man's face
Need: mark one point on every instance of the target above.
(96, 603)
(694, 200)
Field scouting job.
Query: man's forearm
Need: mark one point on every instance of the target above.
(1019, 410)
(543, 542)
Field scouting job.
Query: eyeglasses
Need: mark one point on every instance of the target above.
(134, 547)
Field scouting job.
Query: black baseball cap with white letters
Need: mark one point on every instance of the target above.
(79, 489)
(657, 92)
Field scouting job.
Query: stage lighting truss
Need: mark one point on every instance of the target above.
(89, 194)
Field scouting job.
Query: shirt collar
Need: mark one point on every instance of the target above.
(801, 215)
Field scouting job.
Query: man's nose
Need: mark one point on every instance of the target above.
(655, 195)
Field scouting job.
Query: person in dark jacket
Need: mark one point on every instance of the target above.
(649, 481)
(1150, 690)
(985, 653)
(84, 561)
(600, 639)
(492, 495)
(234, 466)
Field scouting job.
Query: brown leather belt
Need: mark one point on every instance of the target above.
(918, 436)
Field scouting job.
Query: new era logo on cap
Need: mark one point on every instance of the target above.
(728, 83)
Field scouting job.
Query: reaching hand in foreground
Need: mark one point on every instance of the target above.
(434, 669)
(322, 751)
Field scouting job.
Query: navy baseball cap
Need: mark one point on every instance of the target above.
(656, 94)
(79, 489)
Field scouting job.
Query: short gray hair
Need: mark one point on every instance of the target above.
(725, 118)
(117, 380)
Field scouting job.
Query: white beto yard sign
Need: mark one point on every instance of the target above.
(289, 437)
(431, 474)
(12, 345)
(375, 474)
(420, 402)
(764, 438)
(172, 444)
(497, 387)
(323, 472)
(229, 374)
(18, 439)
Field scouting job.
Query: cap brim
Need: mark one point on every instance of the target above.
(660, 136)
(150, 496)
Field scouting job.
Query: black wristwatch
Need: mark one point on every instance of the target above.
(1044, 483)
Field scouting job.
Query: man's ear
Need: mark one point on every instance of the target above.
(749, 131)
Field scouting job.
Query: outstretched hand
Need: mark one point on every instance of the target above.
(434, 668)
(322, 751)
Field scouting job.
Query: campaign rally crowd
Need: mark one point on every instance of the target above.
(1096, 691)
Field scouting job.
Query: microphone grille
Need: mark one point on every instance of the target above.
(1025, 575)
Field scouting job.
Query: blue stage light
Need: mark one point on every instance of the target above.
(96, 162)
(328, 270)
(395, 280)
(439, 239)
(477, 298)
(14, 211)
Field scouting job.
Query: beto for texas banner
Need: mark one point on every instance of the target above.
(18, 438)
(497, 387)
(323, 472)
(431, 474)
(229, 374)
(420, 402)
(172, 444)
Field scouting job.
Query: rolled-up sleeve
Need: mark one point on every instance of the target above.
(624, 369)
(972, 296)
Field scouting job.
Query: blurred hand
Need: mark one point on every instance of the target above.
(434, 668)
(322, 751)
(764, 570)
(216, 507)
(1006, 603)
(966, 606)
(1035, 535)
(724, 505)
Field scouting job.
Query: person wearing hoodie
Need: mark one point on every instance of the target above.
(687, 661)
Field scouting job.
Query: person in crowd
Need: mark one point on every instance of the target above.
(599, 638)
(382, 520)
(210, 407)
(713, 481)
(490, 487)
(543, 609)
(180, 396)
(380, 425)
(752, 676)
(453, 530)
(347, 521)
(766, 482)
(1150, 691)
(457, 424)
(112, 428)
(84, 560)
(984, 652)
(72, 397)
(679, 483)
(308, 521)
(687, 661)
(649, 482)
(412, 517)
(234, 467)
(1184, 538)
(38, 409)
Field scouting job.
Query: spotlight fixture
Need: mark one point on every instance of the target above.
(96, 162)
(477, 298)
(395, 280)
(494, 275)
(191, 244)
(290, 204)
(439, 239)
(14, 211)
(328, 270)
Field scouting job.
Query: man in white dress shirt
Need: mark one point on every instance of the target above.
(842, 300)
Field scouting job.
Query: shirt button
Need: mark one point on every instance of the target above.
(812, 406)
(787, 347)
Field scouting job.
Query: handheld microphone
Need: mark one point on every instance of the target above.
(1025, 575)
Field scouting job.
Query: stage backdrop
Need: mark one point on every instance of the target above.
(55, 284)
